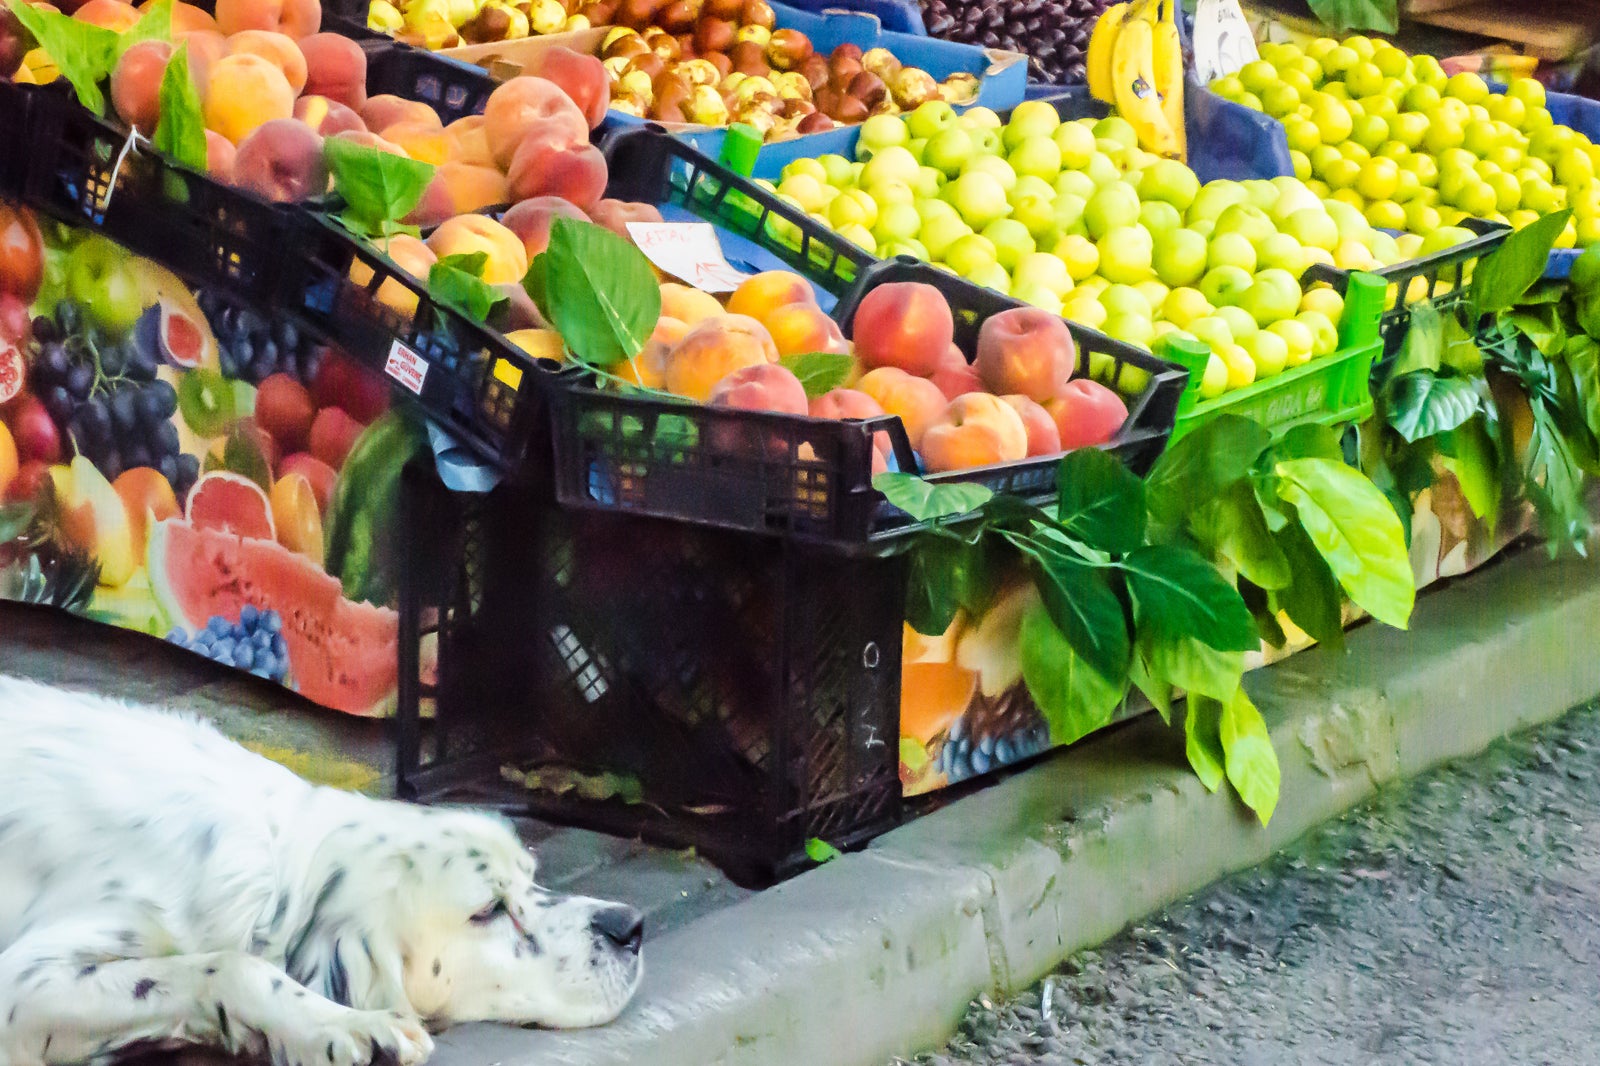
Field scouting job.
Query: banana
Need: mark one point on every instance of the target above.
(1134, 82)
(1102, 42)
(1169, 74)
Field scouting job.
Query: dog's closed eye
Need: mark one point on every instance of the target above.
(489, 913)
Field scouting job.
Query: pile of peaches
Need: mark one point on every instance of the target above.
(1017, 399)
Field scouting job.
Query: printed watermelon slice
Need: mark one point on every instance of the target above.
(342, 654)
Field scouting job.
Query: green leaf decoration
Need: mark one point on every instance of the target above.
(155, 24)
(1251, 762)
(598, 290)
(378, 188)
(1082, 607)
(83, 53)
(1423, 346)
(456, 281)
(1582, 356)
(1343, 16)
(1202, 464)
(1309, 441)
(1505, 274)
(1312, 599)
(1202, 740)
(1100, 502)
(925, 501)
(819, 372)
(1188, 663)
(1257, 599)
(181, 129)
(931, 593)
(1177, 592)
(15, 518)
(1074, 698)
(1554, 482)
(820, 851)
(1479, 470)
(1356, 532)
(1423, 404)
(1461, 352)
(1234, 527)
(1541, 324)
(1157, 690)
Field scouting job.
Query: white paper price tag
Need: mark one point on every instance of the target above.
(687, 250)
(1222, 40)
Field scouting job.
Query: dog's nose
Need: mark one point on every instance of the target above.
(623, 926)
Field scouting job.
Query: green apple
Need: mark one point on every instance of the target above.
(1101, 170)
(1292, 196)
(1133, 329)
(1125, 254)
(1112, 206)
(1180, 258)
(993, 164)
(949, 150)
(1214, 380)
(1084, 308)
(979, 197)
(1313, 227)
(853, 206)
(1171, 182)
(1155, 293)
(1076, 142)
(1044, 269)
(1039, 156)
(896, 222)
(939, 232)
(1248, 220)
(1183, 305)
(1116, 128)
(856, 233)
(1269, 351)
(880, 132)
(1213, 199)
(908, 246)
(1260, 192)
(1349, 220)
(930, 118)
(1031, 185)
(1076, 183)
(805, 190)
(1037, 295)
(1231, 249)
(1037, 215)
(101, 277)
(890, 192)
(1224, 285)
(1324, 338)
(917, 146)
(931, 207)
(836, 168)
(1283, 251)
(1203, 226)
(1031, 120)
(928, 182)
(991, 276)
(1011, 241)
(986, 140)
(1241, 323)
(1159, 217)
(812, 167)
(1125, 300)
(1267, 301)
(1213, 330)
(1297, 338)
(980, 118)
(971, 253)
(1079, 253)
(1068, 210)
(890, 163)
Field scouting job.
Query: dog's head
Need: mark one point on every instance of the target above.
(476, 939)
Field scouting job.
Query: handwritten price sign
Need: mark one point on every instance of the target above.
(687, 250)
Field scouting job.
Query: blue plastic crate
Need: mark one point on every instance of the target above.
(1583, 115)
(898, 16)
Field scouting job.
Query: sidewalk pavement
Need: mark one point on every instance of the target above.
(878, 953)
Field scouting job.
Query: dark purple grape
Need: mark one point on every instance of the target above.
(111, 464)
(53, 361)
(113, 360)
(167, 466)
(80, 379)
(124, 410)
(164, 439)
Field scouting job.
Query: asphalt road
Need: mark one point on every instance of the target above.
(1453, 920)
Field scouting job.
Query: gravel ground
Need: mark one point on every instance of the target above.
(1455, 919)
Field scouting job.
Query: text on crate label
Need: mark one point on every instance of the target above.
(406, 367)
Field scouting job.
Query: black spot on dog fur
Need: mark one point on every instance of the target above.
(277, 983)
(278, 914)
(222, 1024)
(87, 970)
(474, 853)
(338, 979)
(211, 971)
(437, 966)
(143, 988)
(330, 1051)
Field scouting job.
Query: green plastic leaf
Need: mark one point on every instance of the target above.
(1423, 345)
(1251, 762)
(819, 372)
(1582, 356)
(1541, 324)
(82, 52)
(155, 24)
(15, 518)
(925, 501)
(819, 851)
(1188, 663)
(1343, 16)
(1233, 526)
(1157, 690)
(1081, 605)
(1554, 482)
(947, 574)
(1423, 404)
(1356, 532)
(1461, 352)
(1505, 274)
(1177, 592)
(1202, 464)
(1309, 441)
(1312, 599)
(1478, 470)
(378, 188)
(599, 290)
(1202, 740)
(1259, 601)
(181, 129)
(456, 281)
(1074, 698)
(1101, 503)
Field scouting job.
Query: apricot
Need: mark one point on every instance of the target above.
(147, 498)
(761, 387)
(1025, 350)
(521, 102)
(336, 67)
(425, 142)
(327, 116)
(282, 161)
(411, 255)
(690, 305)
(932, 696)
(615, 215)
(917, 401)
(109, 14)
(976, 429)
(576, 173)
(803, 327)
(136, 84)
(469, 143)
(245, 91)
(955, 376)
(770, 289)
(580, 76)
(714, 349)
(530, 220)
(220, 155)
(1044, 438)
(904, 324)
(465, 234)
(385, 110)
(276, 49)
(456, 189)
(294, 18)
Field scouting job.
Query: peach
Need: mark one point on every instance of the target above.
(186, 18)
(136, 84)
(426, 142)
(410, 255)
(336, 67)
(109, 14)
(521, 102)
(1086, 413)
(762, 387)
(327, 116)
(295, 18)
(803, 327)
(540, 343)
(282, 161)
(380, 112)
(518, 311)
(649, 367)
(916, 401)
(204, 48)
(974, 430)
(580, 76)
(530, 220)
(370, 140)
(576, 173)
(1044, 438)
(469, 143)
(465, 234)
(615, 215)
(220, 156)
(770, 289)
(854, 404)
(245, 91)
(714, 349)
(904, 324)
(1025, 350)
(456, 189)
(955, 376)
(333, 434)
(689, 305)
(276, 49)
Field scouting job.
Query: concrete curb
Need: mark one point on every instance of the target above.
(878, 953)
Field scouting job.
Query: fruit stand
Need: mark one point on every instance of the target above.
(726, 421)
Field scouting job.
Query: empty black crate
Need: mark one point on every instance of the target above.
(724, 691)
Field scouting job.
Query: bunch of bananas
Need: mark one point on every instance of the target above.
(1135, 62)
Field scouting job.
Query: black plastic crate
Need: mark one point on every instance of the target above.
(810, 479)
(14, 104)
(698, 688)
(452, 88)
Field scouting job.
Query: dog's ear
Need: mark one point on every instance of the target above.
(349, 952)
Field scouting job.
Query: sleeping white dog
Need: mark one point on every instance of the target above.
(159, 883)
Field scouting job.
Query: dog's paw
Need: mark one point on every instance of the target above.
(360, 1038)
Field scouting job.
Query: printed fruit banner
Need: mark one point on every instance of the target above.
(179, 464)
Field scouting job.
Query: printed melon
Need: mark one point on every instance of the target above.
(342, 654)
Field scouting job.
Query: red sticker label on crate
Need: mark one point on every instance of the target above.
(406, 367)
(687, 250)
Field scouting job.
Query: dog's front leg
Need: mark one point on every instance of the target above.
(55, 1007)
